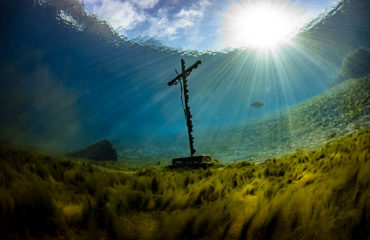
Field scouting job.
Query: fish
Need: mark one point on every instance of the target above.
(257, 104)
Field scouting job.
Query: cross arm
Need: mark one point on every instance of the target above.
(173, 81)
(184, 74)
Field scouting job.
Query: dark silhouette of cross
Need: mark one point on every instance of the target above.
(181, 78)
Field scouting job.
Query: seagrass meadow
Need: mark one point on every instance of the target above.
(319, 194)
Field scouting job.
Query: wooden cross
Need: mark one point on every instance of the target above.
(182, 77)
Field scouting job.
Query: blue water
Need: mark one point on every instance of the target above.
(63, 88)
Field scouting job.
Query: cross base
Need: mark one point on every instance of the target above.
(203, 161)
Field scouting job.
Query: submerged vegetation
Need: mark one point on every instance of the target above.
(355, 65)
(320, 194)
(340, 110)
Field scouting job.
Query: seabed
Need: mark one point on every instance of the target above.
(317, 194)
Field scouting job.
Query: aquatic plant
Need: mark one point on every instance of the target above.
(321, 194)
(355, 65)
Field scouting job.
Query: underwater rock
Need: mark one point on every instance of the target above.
(100, 151)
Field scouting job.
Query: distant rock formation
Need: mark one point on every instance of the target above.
(100, 151)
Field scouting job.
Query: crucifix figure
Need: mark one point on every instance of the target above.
(181, 78)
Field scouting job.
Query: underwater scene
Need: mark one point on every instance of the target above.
(198, 119)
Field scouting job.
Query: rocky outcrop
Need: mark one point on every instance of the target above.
(100, 151)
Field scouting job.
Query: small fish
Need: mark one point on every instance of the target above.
(257, 104)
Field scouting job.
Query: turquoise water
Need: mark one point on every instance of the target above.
(65, 85)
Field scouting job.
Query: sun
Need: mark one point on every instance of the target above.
(261, 24)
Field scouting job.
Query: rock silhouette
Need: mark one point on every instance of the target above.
(100, 151)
